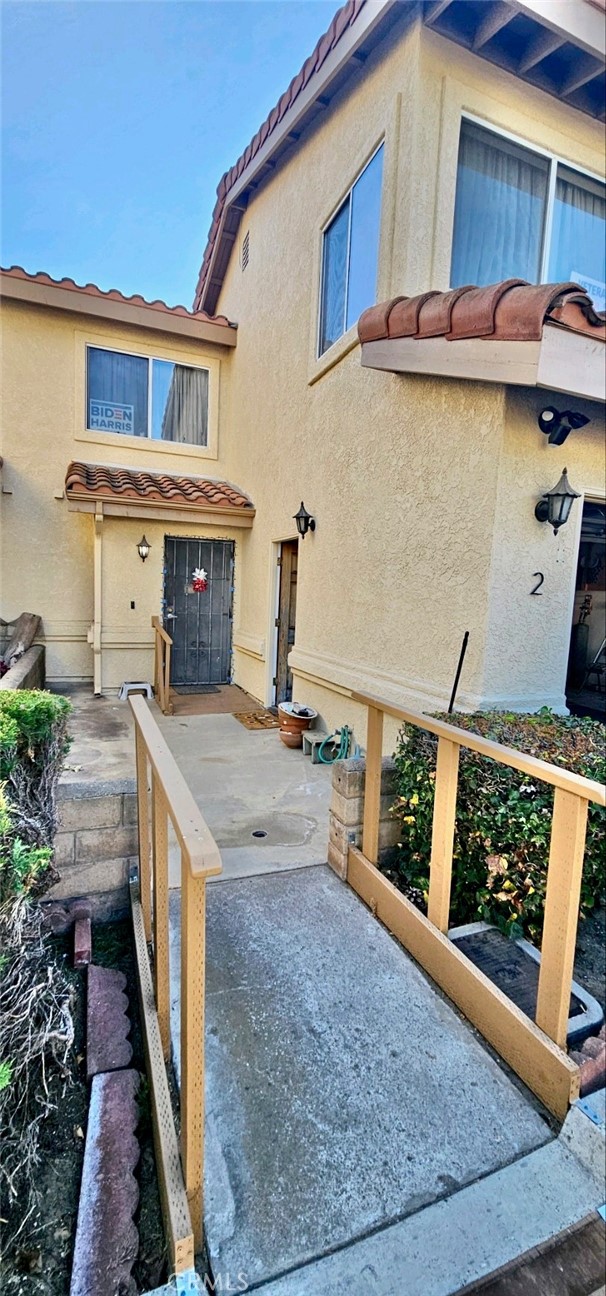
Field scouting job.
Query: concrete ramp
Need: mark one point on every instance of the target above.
(343, 1093)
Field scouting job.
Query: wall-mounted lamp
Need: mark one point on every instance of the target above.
(557, 425)
(555, 505)
(143, 548)
(304, 521)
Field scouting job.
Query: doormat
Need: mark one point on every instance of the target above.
(257, 719)
(202, 689)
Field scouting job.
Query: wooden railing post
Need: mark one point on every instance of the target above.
(442, 838)
(372, 785)
(167, 702)
(193, 959)
(160, 921)
(143, 832)
(564, 875)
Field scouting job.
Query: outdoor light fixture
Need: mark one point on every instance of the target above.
(556, 426)
(555, 505)
(143, 548)
(304, 521)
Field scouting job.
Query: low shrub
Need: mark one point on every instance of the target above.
(33, 746)
(503, 826)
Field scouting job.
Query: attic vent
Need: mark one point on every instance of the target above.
(245, 249)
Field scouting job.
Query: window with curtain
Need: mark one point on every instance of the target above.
(509, 200)
(350, 255)
(499, 210)
(146, 397)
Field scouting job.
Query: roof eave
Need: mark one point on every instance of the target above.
(88, 502)
(107, 308)
(562, 361)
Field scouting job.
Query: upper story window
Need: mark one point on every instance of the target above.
(144, 397)
(350, 254)
(520, 214)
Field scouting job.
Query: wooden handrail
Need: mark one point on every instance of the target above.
(554, 774)
(162, 650)
(172, 800)
(573, 795)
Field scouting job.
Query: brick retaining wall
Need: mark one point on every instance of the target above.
(96, 844)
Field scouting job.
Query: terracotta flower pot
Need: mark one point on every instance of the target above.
(294, 720)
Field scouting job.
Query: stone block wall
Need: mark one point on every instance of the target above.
(347, 812)
(95, 845)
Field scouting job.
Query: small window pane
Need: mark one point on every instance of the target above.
(499, 210)
(334, 278)
(364, 240)
(578, 240)
(116, 398)
(179, 403)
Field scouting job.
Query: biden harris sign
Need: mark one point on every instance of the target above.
(110, 418)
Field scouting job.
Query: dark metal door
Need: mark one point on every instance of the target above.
(200, 625)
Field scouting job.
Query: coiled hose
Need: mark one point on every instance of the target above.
(341, 749)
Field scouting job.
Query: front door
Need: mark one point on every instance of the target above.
(287, 614)
(200, 624)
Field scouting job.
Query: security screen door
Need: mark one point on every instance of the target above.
(200, 624)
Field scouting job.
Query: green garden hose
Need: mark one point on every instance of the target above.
(341, 748)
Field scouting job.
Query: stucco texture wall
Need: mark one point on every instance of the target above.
(528, 636)
(46, 550)
(402, 474)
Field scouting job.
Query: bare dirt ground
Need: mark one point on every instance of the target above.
(37, 1253)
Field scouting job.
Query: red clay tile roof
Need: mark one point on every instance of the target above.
(511, 311)
(342, 20)
(91, 290)
(99, 482)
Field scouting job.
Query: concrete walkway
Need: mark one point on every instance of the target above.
(248, 782)
(346, 1100)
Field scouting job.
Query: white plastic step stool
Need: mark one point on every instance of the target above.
(134, 686)
(311, 744)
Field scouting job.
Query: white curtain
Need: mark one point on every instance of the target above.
(185, 415)
(578, 245)
(499, 211)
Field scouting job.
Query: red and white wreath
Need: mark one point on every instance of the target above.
(199, 580)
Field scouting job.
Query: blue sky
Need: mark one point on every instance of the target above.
(119, 118)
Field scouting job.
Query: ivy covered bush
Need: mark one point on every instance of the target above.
(33, 746)
(503, 826)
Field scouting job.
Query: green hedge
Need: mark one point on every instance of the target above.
(503, 823)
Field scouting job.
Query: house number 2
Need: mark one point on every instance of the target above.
(537, 588)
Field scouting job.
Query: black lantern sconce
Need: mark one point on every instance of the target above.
(557, 425)
(304, 521)
(555, 505)
(143, 548)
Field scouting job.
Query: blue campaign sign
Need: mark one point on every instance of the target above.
(107, 417)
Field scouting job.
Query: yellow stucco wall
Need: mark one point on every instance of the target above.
(411, 480)
(47, 551)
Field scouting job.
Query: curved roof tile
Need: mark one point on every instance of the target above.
(100, 481)
(342, 20)
(91, 290)
(510, 311)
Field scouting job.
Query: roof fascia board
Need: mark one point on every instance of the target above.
(369, 18)
(162, 512)
(81, 303)
(574, 20)
(569, 362)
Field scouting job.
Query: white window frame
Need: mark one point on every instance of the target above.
(323, 229)
(554, 160)
(149, 356)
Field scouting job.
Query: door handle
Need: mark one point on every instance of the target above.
(171, 616)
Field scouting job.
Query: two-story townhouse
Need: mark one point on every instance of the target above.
(423, 148)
